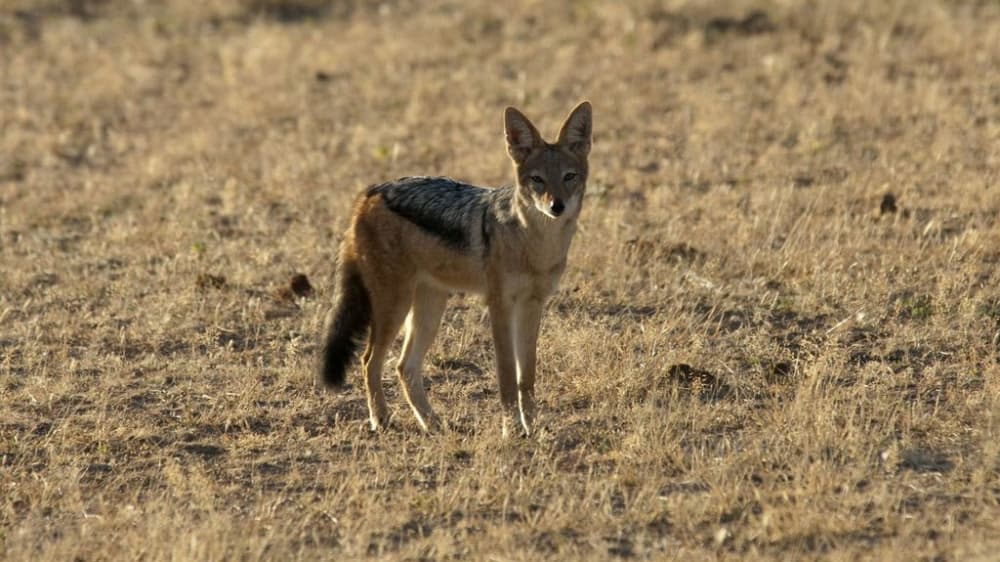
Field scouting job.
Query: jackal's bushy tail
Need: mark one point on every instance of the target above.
(346, 324)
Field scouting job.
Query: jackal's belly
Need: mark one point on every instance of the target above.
(457, 275)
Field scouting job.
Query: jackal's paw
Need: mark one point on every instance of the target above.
(430, 423)
(527, 429)
(377, 425)
(526, 411)
(527, 422)
(513, 428)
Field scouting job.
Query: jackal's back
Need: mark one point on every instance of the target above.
(458, 214)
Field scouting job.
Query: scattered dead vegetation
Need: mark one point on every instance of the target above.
(209, 281)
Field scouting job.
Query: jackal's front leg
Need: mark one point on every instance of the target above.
(527, 321)
(501, 318)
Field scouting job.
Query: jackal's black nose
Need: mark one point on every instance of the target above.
(558, 207)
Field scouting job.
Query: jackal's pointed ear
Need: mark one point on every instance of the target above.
(576, 131)
(522, 136)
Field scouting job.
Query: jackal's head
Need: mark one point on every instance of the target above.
(552, 176)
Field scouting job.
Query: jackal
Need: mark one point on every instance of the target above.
(413, 241)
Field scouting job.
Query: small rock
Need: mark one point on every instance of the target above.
(301, 286)
(888, 204)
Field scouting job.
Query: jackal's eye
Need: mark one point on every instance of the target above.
(569, 176)
(538, 179)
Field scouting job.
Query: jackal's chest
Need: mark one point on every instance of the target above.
(533, 284)
(543, 266)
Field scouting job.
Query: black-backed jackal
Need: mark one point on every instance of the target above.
(413, 241)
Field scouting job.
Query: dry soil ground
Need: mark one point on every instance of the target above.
(777, 337)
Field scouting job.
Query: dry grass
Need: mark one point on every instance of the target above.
(756, 353)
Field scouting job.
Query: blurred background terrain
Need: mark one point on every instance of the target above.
(777, 337)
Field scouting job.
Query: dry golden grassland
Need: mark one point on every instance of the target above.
(777, 337)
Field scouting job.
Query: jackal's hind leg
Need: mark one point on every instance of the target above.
(388, 311)
(421, 327)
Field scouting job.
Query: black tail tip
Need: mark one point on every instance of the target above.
(346, 323)
(332, 376)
